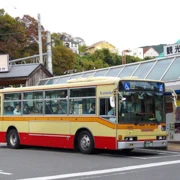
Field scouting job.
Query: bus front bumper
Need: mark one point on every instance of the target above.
(142, 144)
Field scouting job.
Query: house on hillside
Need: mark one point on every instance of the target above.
(147, 51)
(137, 52)
(150, 52)
(153, 51)
(72, 42)
(101, 45)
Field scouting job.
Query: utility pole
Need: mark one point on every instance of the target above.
(124, 55)
(40, 40)
(49, 52)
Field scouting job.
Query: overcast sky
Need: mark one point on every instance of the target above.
(126, 24)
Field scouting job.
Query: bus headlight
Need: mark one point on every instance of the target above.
(161, 137)
(130, 139)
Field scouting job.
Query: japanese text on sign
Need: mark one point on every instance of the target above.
(170, 50)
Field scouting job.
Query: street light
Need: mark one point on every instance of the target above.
(124, 55)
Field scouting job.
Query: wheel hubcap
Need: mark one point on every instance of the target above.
(13, 139)
(85, 142)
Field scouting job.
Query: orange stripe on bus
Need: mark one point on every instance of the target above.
(82, 119)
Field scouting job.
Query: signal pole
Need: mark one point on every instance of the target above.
(49, 52)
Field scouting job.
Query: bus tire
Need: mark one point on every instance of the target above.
(13, 140)
(85, 142)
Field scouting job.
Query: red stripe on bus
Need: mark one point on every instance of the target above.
(47, 140)
(105, 142)
(60, 141)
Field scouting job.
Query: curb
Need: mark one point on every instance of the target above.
(173, 146)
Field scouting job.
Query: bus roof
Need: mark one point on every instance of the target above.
(79, 82)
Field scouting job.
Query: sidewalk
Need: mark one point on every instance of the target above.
(173, 146)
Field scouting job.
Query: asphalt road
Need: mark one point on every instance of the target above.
(32, 163)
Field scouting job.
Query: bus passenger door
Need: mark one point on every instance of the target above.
(108, 113)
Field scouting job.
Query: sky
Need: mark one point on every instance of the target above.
(126, 24)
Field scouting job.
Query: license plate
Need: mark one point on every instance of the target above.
(148, 143)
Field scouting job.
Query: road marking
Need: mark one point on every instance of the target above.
(105, 175)
(159, 151)
(105, 171)
(154, 157)
(5, 173)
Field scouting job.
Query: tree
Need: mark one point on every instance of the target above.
(63, 59)
(19, 37)
(148, 58)
(31, 46)
(108, 58)
(82, 49)
(56, 39)
(11, 36)
(131, 59)
(88, 65)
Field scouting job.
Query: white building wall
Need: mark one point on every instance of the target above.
(137, 52)
(151, 53)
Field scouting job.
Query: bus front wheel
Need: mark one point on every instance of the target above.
(85, 142)
(13, 140)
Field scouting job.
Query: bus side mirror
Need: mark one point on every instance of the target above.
(112, 101)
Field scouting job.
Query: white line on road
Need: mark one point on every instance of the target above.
(154, 157)
(90, 173)
(159, 151)
(5, 173)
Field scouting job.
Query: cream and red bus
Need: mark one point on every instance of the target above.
(129, 113)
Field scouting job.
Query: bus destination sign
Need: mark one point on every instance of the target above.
(141, 86)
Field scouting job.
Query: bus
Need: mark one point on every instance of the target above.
(128, 113)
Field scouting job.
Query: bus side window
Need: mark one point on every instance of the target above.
(48, 109)
(105, 106)
(92, 109)
(106, 111)
(8, 110)
(81, 106)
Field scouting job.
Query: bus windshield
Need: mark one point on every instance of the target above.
(141, 105)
